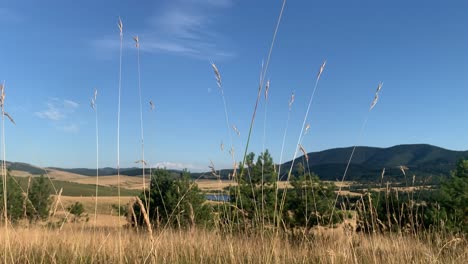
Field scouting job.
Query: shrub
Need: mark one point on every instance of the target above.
(173, 200)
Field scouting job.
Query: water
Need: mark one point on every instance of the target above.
(218, 197)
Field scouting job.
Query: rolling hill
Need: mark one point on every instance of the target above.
(421, 160)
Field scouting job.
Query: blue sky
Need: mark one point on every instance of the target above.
(54, 53)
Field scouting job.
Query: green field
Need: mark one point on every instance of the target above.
(77, 189)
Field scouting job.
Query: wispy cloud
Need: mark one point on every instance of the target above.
(60, 113)
(182, 27)
(57, 109)
(70, 104)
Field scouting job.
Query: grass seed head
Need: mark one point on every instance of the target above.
(321, 70)
(2, 94)
(137, 41)
(307, 129)
(291, 101)
(212, 168)
(151, 105)
(374, 102)
(141, 161)
(304, 152)
(267, 87)
(217, 75)
(120, 25)
(403, 169)
(236, 130)
(9, 117)
(379, 87)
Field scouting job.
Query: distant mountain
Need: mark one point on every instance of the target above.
(421, 160)
(107, 171)
(367, 164)
(20, 166)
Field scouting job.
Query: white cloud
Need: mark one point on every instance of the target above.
(59, 112)
(57, 109)
(183, 27)
(51, 113)
(70, 104)
(175, 165)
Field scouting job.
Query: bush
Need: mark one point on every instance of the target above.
(39, 198)
(15, 199)
(173, 200)
(76, 209)
(310, 202)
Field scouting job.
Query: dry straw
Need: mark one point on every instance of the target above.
(94, 107)
(143, 163)
(304, 152)
(236, 130)
(217, 75)
(374, 102)
(4, 168)
(120, 26)
(300, 138)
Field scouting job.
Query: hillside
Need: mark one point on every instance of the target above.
(422, 160)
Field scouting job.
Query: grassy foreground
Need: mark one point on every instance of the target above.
(80, 243)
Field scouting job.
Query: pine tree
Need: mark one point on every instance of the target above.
(40, 198)
(14, 199)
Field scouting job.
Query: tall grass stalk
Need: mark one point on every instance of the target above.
(267, 89)
(120, 25)
(94, 107)
(265, 70)
(361, 131)
(290, 104)
(228, 126)
(4, 172)
(137, 45)
(299, 140)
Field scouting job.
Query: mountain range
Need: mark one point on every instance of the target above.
(367, 163)
(422, 160)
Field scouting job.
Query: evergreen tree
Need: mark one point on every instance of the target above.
(14, 199)
(255, 195)
(175, 200)
(310, 202)
(453, 198)
(39, 196)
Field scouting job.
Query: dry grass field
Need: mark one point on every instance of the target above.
(82, 243)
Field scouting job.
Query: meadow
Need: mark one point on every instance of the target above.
(272, 216)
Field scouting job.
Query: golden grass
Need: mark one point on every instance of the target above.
(104, 203)
(63, 175)
(76, 243)
(126, 182)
